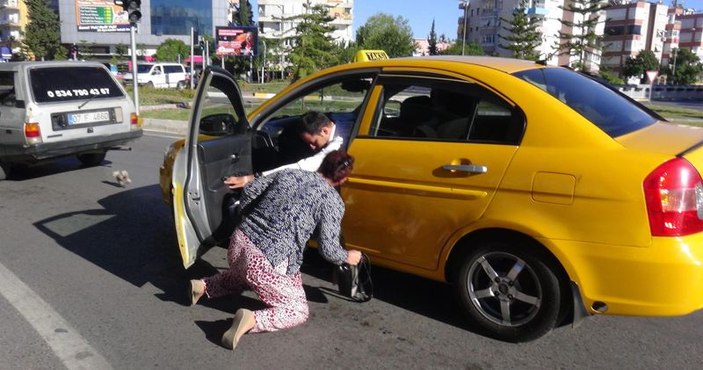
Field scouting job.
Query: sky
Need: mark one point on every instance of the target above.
(420, 13)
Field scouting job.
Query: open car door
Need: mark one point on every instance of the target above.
(218, 144)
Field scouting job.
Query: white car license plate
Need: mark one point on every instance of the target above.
(88, 117)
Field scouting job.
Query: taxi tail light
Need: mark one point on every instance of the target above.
(32, 132)
(674, 197)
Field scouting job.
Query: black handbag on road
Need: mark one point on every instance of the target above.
(354, 282)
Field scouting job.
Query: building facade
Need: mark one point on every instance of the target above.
(278, 22)
(13, 20)
(103, 25)
(633, 27)
(486, 20)
(691, 30)
(277, 18)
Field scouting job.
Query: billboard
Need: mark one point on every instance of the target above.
(235, 41)
(101, 16)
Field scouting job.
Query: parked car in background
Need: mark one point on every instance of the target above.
(540, 194)
(159, 75)
(55, 109)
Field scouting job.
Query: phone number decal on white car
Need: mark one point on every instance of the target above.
(78, 92)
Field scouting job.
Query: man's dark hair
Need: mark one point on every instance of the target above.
(312, 123)
(337, 165)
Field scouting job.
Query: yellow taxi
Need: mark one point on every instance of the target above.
(541, 194)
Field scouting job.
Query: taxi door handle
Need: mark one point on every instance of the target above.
(470, 168)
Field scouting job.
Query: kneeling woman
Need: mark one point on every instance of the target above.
(265, 253)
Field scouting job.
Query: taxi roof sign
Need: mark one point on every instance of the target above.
(368, 55)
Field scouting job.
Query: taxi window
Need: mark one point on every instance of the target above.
(58, 84)
(441, 110)
(607, 109)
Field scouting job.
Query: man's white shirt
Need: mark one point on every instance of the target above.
(313, 162)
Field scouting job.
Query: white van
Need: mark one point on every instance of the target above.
(160, 75)
(56, 109)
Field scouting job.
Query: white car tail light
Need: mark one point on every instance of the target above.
(32, 133)
(134, 120)
(674, 197)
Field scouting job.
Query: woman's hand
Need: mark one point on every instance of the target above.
(353, 257)
(236, 182)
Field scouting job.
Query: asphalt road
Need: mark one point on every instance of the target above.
(90, 278)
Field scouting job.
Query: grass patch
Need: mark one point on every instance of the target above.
(152, 96)
(673, 113)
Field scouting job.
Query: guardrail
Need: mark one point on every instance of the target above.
(663, 92)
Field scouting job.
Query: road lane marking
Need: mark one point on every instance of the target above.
(73, 351)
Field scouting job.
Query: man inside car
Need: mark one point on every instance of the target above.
(314, 129)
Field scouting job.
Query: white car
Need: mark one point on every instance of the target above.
(159, 75)
(55, 109)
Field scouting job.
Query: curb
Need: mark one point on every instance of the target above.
(165, 125)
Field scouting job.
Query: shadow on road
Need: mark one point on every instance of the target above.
(132, 237)
(425, 297)
(23, 172)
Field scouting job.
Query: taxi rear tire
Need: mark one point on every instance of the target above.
(509, 291)
(91, 159)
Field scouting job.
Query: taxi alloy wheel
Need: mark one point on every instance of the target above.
(509, 291)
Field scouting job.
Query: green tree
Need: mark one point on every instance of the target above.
(61, 53)
(345, 53)
(242, 15)
(313, 48)
(611, 77)
(582, 40)
(637, 66)
(42, 35)
(523, 36)
(432, 41)
(172, 50)
(457, 47)
(84, 50)
(121, 51)
(688, 70)
(382, 31)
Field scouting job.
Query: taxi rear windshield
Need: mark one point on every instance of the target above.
(59, 84)
(608, 109)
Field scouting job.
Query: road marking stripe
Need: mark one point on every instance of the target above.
(73, 351)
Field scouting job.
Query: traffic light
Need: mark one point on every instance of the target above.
(134, 14)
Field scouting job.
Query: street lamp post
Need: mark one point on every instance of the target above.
(463, 40)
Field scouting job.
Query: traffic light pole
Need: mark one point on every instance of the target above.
(133, 42)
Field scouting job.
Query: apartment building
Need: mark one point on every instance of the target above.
(277, 21)
(13, 19)
(691, 30)
(277, 18)
(633, 27)
(485, 21)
